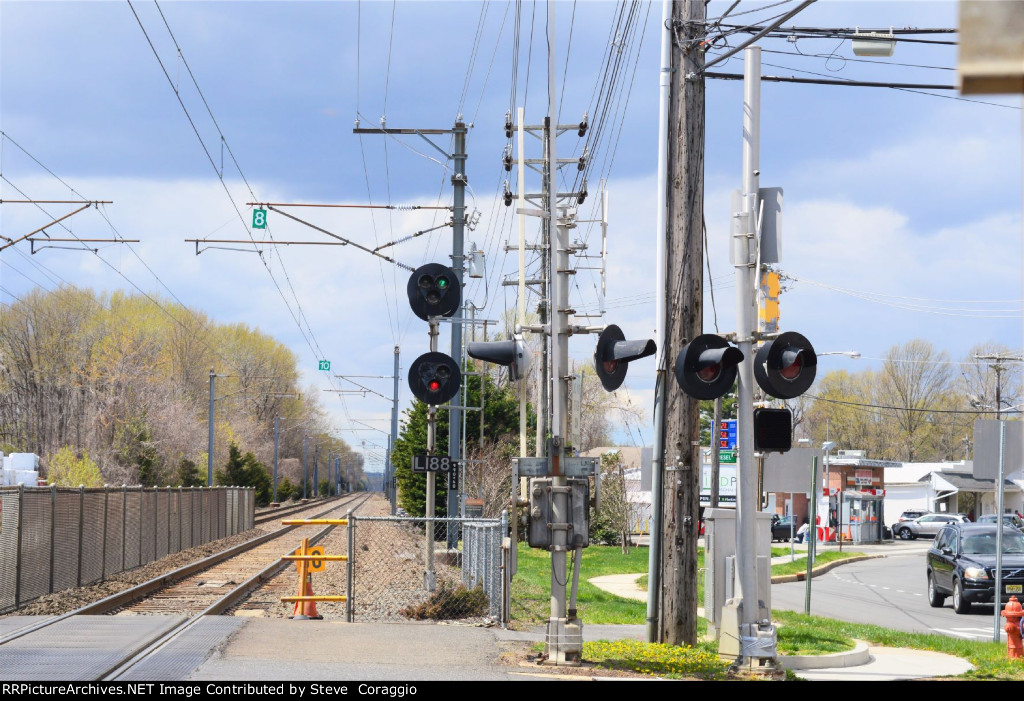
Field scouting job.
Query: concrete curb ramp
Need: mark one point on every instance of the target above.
(850, 658)
(822, 569)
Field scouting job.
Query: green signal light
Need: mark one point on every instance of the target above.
(442, 282)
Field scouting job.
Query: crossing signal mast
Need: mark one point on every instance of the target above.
(784, 367)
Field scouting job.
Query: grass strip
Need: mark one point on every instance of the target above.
(989, 658)
(800, 564)
(656, 659)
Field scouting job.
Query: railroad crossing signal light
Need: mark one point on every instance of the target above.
(773, 430)
(706, 366)
(433, 290)
(614, 354)
(513, 354)
(434, 378)
(785, 367)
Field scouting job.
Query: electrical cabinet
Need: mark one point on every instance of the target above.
(539, 533)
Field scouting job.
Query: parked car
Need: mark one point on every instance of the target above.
(1008, 520)
(910, 515)
(784, 528)
(925, 526)
(961, 563)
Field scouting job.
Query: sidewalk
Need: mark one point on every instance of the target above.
(865, 662)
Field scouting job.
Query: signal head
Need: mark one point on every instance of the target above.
(434, 378)
(432, 291)
(785, 366)
(614, 353)
(706, 366)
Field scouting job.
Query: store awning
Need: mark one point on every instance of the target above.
(953, 482)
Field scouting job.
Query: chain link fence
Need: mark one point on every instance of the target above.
(398, 574)
(56, 538)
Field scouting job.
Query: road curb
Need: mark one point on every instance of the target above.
(828, 567)
(850, 658)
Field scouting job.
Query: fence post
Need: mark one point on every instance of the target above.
(350, 565)
(106, 515)
(53, 529)
(81, 525)
(506, 604)
(20, 537)
(124, 523)
(142, 503)
(169, 502)
(181, 507)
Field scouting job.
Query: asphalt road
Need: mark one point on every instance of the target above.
(888, 592)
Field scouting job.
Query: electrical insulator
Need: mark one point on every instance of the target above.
(508, 195)
(583, 125)
(508, 125)
(506, 159)
(583, 194)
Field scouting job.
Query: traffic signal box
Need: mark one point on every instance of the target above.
(773, 430)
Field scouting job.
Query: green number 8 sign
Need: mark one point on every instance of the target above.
(259, 219)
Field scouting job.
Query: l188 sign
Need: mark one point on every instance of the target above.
(431, 463)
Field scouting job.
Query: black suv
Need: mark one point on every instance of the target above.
(962, 561)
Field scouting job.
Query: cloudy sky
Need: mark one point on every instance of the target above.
(902, 207)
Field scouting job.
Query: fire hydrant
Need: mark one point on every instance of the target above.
(1013, 613)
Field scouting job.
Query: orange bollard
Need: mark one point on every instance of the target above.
(1013, 613)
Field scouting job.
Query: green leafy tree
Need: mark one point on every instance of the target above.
(324, 488)
(189, 475)
(246, 471)
(285, 490)
(707, 415)
(66, 469)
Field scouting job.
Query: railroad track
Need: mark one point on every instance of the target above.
(268, 515)
(210, 587)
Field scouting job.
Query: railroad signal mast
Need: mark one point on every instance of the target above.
(434, 378)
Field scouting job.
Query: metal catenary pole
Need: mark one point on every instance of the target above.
(394, 436)
(459, 181)
(277, 440)
(744, 241)
(209, 444)
(657, 461)
(564, 639)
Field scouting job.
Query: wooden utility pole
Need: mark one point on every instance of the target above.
(684, 309)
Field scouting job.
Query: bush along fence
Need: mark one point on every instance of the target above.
(56, 538)
(399, 574)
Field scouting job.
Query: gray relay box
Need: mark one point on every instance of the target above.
(539, 533)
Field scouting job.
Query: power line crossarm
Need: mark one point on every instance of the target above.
(345, 206)
(341, 238)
